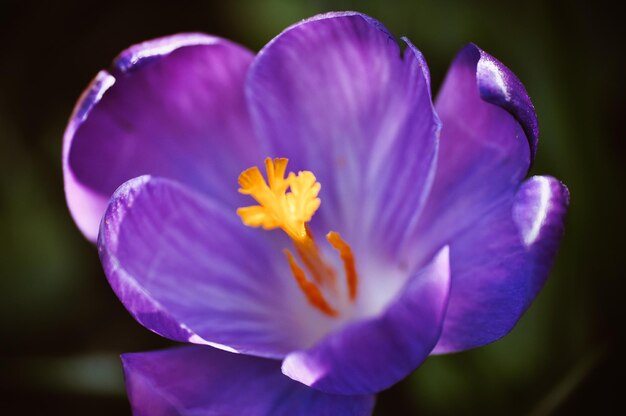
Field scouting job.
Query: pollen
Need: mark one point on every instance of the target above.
(289, 203)
(285, 203)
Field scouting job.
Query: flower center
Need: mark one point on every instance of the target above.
(289, 203)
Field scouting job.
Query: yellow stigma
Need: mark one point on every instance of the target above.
(278, 208)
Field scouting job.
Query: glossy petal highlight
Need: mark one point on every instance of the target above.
(500, 86)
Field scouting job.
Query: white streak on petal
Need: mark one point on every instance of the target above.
(496, 76)
(196, 339)
(530, 219)
(164, 46)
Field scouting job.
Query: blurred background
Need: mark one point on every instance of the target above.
(62, 327)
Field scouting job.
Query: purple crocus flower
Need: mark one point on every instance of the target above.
(435, 241)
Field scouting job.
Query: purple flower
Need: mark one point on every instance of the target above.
(428, 238)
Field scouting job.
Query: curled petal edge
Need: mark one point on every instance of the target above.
(498, 85)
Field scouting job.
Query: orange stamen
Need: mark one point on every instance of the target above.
(310, 255)
(347, 257)
(311, 261)
(310, 290)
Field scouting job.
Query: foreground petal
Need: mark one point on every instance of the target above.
(205, 381)
(371, 355)
(335, 95)
(500, 264)
(172, 107)
(187, 269)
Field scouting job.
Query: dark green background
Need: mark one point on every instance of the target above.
(61, 326)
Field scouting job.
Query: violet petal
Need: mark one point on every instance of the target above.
(499, 265)
(172, 107)
(483, 157)
(193, 381)
(186, 268)
(335, 95)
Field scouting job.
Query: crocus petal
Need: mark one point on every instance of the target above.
(205, 381)
(500, 264)
(371, 355)
(172, 107)
(488, 138)
(335, 95)
(186, 268)
(484, 152)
